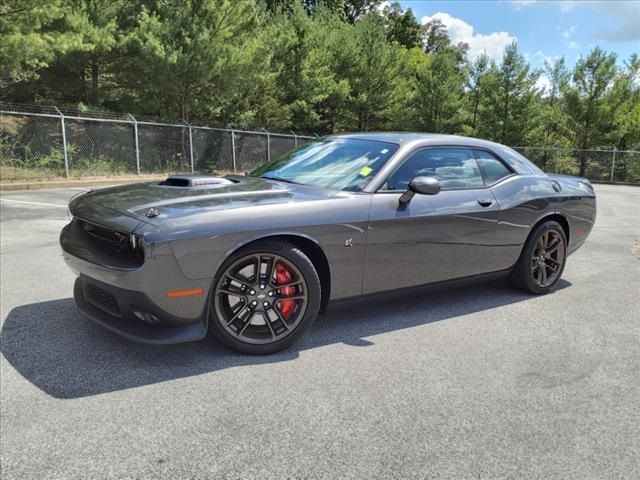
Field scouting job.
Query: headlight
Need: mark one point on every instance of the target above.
(136, 245)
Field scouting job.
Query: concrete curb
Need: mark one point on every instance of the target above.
(6, 187)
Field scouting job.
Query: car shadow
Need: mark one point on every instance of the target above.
(67, 356)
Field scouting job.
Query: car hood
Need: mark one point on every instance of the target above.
(130, 205)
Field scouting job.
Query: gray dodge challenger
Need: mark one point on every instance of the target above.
(254, 259)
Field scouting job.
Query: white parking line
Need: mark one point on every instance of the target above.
(33, 203)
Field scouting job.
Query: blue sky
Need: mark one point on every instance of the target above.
(543, 29)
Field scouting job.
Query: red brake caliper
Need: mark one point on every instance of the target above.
(283, 276)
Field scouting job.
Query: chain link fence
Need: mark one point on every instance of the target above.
(615, 166)
(51, 143)
(45, 142)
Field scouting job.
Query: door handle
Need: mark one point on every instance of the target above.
(485, 202)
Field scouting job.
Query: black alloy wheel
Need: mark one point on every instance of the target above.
(542, 260)
(548, 258)
(265, 297)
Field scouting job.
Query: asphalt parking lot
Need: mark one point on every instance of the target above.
(480, 382)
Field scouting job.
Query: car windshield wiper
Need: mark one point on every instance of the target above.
(279, 179)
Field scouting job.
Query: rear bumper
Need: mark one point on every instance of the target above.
(132, 315)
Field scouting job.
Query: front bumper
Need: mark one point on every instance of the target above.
(132, 315)
(134, 301)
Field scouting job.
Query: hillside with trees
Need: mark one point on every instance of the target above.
(310, 65)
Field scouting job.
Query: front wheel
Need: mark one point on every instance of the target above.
(542, 260)
(265, 297)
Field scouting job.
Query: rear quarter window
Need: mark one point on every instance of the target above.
(492, 169)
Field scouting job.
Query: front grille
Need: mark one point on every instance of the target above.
(101, 299)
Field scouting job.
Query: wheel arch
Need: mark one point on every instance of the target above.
(307, 245)
(557, 217)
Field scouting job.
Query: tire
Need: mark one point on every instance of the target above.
(542, 260)
(264, 298)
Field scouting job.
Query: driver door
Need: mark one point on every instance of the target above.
(433, 238)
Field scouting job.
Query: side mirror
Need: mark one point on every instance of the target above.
(421, 185)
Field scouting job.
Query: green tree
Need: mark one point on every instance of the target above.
(623, 108)
(515, 95)
(550, 122)
(586, 100)
(305, 48)
(623, 105)
(87, 61)
(199, 58)
(439, 94)
(434, 36)
(30, 39)
(357, 9)
(315, 65)
(370, 65)
(477, 88)
(402, 27)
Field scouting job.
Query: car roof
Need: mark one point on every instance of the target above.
(410, 140)
(415, 137)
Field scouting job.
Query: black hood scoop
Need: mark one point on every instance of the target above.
(195, 181)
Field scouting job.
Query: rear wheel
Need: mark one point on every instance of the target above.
(542, 261)
(265, 297)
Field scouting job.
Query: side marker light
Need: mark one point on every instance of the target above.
(184, 293)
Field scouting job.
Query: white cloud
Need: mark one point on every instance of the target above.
(569, 31)
(625, 13)
(540, 57)
(573, 45)
(628, 16)
(522, 3)
(493, 44)
(383, 5)
(543, 84)
(565, 5)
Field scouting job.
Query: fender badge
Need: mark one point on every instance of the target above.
(348, 243)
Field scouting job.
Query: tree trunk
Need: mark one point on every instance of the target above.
(545, 157)
(584, 146)
(83, 78)
(95, 73)
(505, 114)
(583, 164)
(475, 112)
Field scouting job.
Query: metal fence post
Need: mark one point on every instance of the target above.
(64, 143)
(613, 163)
(135, 136)
(233, 150)
(268, 144)
(295, 138)
(557, 160)
(191, 148)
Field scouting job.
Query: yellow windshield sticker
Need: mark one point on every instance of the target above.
(366, 171)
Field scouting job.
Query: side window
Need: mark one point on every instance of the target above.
(454, 167)
(492, 168)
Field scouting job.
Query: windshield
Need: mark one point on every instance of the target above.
(333, 163)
